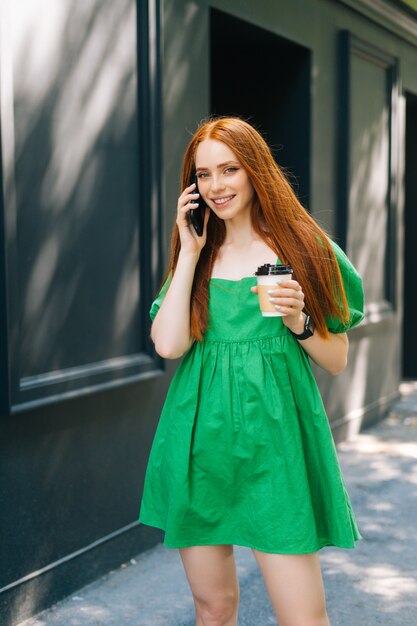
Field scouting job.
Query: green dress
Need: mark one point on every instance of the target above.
(243, 453)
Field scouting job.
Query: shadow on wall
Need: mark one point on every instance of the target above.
(185, 91)
(369, 201)
(357, 390)
(76, 164)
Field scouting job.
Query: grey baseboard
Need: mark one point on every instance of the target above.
(357, 420)
(34, 593)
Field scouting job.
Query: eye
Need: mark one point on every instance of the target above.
(231, 170)
(202, 175)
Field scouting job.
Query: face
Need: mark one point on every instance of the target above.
(222, 181)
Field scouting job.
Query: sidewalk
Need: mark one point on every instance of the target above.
(372, 585)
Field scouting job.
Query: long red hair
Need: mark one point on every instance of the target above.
(277, 217)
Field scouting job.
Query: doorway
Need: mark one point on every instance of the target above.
(265, 79)
(409, 339)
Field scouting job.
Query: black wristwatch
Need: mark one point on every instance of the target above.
(308, 329)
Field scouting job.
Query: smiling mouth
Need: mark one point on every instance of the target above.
(222, 201)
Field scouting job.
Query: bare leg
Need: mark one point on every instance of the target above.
(211, 573)
(295, 586)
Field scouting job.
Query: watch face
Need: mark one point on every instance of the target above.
(309, 325)
(308, 331)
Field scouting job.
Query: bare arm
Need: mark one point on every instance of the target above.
(330, 354)
(171, 332)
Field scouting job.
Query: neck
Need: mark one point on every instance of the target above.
(240, 233)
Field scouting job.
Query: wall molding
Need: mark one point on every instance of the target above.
(69, 557)
(367, 414)
(387, 15)
(350, 46)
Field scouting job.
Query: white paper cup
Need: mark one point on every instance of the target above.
(266, 282)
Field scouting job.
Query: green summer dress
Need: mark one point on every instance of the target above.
(243, 453)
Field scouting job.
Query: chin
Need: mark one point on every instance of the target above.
(225, 217)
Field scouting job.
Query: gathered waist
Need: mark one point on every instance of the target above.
(278, 335)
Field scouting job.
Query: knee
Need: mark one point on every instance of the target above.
(220, 609)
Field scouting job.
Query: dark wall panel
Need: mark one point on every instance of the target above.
(71, 476)
(78, 196)
(368, 185)
(369, 174)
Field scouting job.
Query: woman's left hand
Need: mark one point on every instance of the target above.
(288, 298)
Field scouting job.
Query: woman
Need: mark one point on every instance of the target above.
(243, 453)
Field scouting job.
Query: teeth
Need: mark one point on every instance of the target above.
(223, 200)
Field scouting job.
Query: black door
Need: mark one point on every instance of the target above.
(409, 362)
(264, 78)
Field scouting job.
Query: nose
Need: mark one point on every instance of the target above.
(217, 183)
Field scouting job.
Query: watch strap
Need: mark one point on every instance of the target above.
(308, 329)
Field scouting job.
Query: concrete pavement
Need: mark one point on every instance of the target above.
(372, 585)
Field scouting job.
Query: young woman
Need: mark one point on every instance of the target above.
(243, 453)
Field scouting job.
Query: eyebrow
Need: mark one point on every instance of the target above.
(220, 165)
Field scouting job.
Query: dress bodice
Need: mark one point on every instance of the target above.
(234, 313)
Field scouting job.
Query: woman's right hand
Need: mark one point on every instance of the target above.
(190, 241)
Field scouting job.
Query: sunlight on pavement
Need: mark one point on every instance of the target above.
(370, 444)
(388, 582)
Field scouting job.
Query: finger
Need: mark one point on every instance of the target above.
(189, 188)
(254, 289)
(189, 197)
(186, 207)
(286, 310)
(290, 284)
(286, 293)
(288, 302)
(183, 214)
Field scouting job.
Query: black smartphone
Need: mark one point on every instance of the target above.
(197, 215)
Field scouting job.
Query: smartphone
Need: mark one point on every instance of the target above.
(197, 215)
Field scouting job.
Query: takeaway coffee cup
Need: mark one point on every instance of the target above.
(268, 277)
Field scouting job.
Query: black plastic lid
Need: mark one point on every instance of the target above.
(273, 270)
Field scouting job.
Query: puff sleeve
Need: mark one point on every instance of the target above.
(352, 283)
(156, 304)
